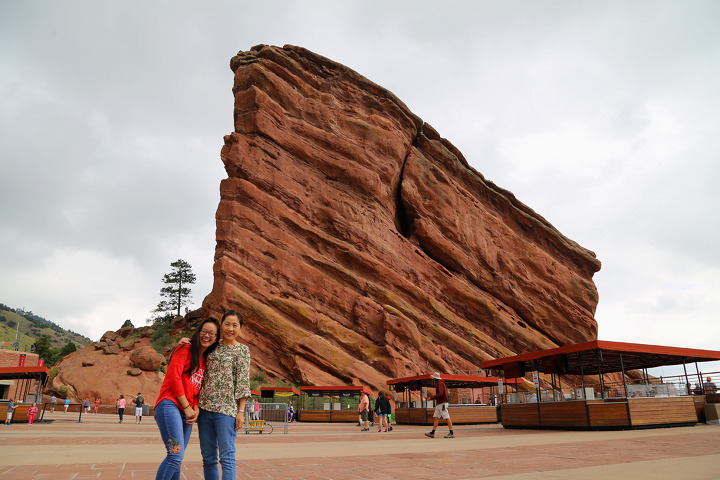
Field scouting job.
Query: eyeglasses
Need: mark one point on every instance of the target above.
(205, 333)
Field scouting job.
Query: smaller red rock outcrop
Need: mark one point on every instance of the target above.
(92, 373)
(146, 358)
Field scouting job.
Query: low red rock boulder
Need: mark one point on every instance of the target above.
(146, 358)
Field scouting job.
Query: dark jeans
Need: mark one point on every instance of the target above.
(121, 411)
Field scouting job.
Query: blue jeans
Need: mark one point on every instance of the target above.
(176, 435)
(217, 434)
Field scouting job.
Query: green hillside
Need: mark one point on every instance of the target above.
(34, 327)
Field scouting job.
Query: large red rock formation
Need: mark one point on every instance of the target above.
(360, 245)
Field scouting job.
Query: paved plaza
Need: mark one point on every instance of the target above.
(101, 448)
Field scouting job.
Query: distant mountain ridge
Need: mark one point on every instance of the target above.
(33, 327)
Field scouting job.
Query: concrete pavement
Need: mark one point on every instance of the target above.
(99, 447)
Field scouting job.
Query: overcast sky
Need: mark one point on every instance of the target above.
(601, 116)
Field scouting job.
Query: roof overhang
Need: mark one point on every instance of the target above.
(332, 391)
(598, 356)
(451, 381)
(19, 373)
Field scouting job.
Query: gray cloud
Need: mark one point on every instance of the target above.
(601, 117)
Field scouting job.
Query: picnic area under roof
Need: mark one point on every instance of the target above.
(599, 356)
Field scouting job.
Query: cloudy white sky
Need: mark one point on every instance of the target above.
(601, 116)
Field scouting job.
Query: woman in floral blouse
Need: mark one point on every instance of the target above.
(225, 390)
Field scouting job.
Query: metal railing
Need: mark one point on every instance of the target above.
(676, 386)
(265, 417)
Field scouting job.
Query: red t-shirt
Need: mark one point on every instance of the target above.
(177, 382)
(440, 393)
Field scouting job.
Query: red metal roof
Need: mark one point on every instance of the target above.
(13, 373)
(598, 356)
(280, 389)
(452, 381)
(332, 389)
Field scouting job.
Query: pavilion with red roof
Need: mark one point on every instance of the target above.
(635, 405)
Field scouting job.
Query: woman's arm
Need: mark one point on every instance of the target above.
(241, 376)
(175, 371)
(188, 410)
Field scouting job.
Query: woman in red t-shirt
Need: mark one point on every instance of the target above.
(177, 408)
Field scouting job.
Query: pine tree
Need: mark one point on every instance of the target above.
(175, 290)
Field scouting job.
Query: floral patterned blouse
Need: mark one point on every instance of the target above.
(227, 379)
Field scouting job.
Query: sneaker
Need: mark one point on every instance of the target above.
(365, 430)
(431, 434)
(449, 435)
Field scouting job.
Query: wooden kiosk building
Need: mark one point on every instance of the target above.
(421, 413)
(618, 406)
(332, 411)
(30, 382)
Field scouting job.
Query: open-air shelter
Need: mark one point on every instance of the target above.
(420, 412)
(331, 402)
(30, 381)
(615, 405)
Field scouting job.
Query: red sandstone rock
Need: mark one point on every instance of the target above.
(113, 349)
(360, 245)
(89, 373)
(109, 337)
(146, 358)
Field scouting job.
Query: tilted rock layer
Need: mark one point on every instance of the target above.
(359, 245)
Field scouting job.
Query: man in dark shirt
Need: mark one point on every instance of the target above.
(441, 406)
(139, 402)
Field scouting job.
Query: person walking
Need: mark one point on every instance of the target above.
(66, 405)
(363, 410)
(96, 405)
(139, 402)
(390, 414)
(86, 406)
(121, 407)
(441, 407)
(225, 391)
(176, 409)
(53, 401)
(32, 411)
(382, 405)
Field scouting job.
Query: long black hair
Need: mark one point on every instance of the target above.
(195, 345)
